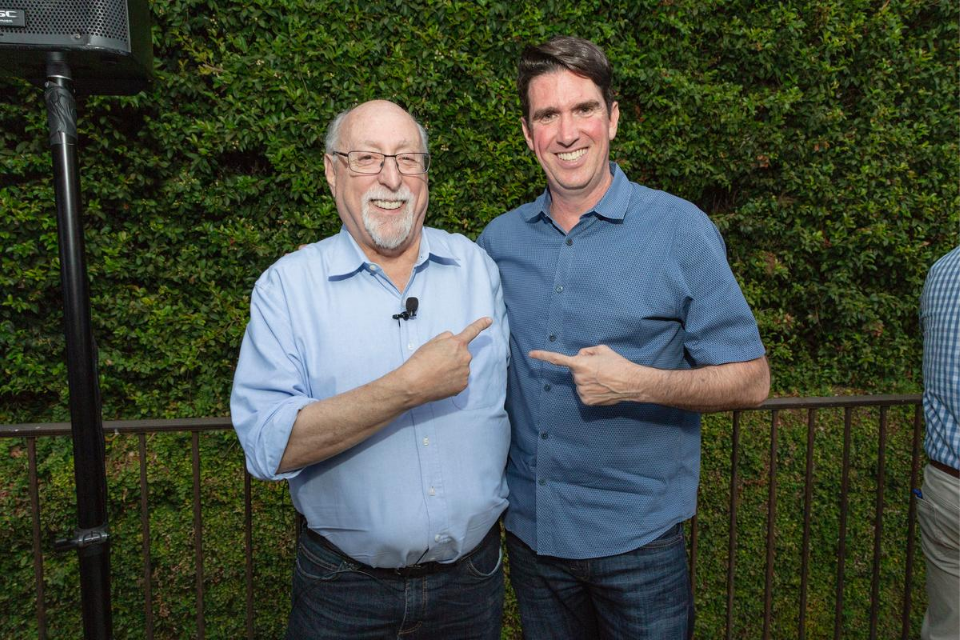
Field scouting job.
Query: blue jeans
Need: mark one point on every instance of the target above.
(641, 594)
(336, 597)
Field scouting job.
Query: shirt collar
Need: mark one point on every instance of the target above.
(347, 258)
(612, 206)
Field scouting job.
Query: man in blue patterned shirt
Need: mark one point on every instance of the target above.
(626, 321)
(939, 502)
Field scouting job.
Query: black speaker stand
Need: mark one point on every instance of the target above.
(91, 538)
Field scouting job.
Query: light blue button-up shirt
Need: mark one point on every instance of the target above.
(646, 274)
(428, 486)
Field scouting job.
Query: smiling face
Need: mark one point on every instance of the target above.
(570, 131)
(384, 212)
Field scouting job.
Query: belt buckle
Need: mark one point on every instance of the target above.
(416, 570)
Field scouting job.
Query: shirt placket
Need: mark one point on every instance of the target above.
(552, 340)
(428, 450)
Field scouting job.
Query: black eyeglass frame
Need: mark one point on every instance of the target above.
(395, 156)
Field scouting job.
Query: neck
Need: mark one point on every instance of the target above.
(397, 264)
(567, 208)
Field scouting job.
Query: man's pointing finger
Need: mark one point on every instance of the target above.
(474, 329)
(552, 357)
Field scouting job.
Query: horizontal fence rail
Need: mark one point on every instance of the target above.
(776, 409)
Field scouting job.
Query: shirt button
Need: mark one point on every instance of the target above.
(433, 491)
(547, 387)
(569, 241)
(436, 538)
(426, 442)
(543, 435)
(373, 267)
(541, 481)
(552, 337)
(559, 288)
(410, 346)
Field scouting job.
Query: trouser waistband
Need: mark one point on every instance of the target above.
(412, 571)
(945, 468)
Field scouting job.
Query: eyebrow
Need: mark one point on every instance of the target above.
(589, 104)
(580, 106)
(542, 113)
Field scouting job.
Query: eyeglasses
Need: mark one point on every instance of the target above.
(371, 162)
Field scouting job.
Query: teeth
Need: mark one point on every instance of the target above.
(388, 204)
(572, 155)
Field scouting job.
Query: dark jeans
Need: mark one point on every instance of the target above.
(337, 597)
(641, 594)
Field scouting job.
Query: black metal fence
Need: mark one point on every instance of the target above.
(810, 411)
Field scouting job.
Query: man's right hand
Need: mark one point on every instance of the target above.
(438, 369)
(441, 367)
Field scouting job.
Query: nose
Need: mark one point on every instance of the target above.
(567, 132)
(390, 174)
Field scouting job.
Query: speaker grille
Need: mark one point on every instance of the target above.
(103, 18)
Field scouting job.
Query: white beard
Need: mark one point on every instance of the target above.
(388, 232)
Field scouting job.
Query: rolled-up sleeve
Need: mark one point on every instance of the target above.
(269, 386)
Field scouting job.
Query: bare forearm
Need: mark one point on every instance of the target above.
(604, 377)
(327, 427)
(734, 385)
(438, 369)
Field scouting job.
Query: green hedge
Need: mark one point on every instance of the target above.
(820, 136)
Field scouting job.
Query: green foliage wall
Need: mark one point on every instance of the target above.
(820, 136)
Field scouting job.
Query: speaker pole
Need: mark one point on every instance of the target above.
(91, 538)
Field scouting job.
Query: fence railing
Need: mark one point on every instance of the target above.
(806, 412)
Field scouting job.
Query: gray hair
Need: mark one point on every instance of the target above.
(332, 141)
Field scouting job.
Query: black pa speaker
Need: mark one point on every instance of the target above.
(106, 43)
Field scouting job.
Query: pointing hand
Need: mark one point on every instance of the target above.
(441, 367)
(603, 376)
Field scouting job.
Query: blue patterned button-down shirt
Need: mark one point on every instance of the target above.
(428, 486)
(644, 273)
(940, 319)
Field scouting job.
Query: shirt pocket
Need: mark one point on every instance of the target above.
(487, 384)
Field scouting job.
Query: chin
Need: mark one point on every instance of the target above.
(388, 233)
(390, 244)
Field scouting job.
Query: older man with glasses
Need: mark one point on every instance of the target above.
(372, 377)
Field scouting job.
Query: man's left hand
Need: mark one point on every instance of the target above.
(603, 377)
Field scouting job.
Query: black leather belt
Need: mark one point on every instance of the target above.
(414, 570)
(946, 468)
